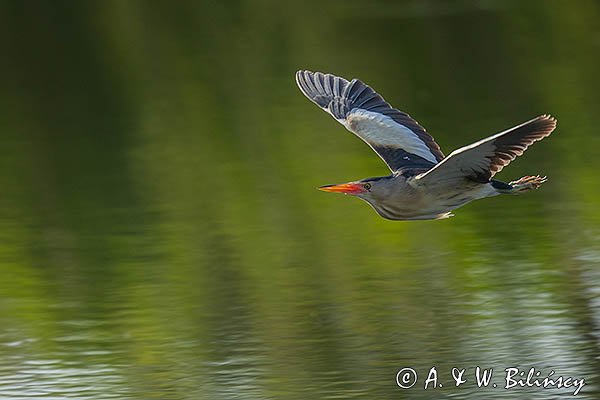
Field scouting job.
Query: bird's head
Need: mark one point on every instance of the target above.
(366, 189)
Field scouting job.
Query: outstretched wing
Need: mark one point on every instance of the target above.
(397, 138)
(480, 161)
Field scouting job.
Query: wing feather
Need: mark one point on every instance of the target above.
(397, 138)
(482, 160)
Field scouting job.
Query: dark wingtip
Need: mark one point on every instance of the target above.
(549, 118)
(303, 72)
(549, 122)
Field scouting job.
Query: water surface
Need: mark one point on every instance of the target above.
(161, 235)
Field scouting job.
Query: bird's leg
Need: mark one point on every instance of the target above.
(527, 183)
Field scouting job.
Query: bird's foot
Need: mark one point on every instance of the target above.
(527, 183)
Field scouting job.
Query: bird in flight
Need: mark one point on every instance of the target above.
(424, 184)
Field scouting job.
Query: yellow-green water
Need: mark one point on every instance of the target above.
(161, 235)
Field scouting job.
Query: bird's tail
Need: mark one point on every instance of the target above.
(526, 184)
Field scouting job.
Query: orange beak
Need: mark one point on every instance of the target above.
(346, 188)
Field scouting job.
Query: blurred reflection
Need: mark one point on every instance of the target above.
(161, 232)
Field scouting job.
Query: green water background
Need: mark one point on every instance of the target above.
(161, 235)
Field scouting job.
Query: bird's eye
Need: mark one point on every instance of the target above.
(367, 186)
